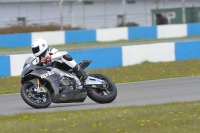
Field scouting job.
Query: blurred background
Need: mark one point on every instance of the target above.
(92, 14)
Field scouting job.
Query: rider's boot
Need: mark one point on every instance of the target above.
(81, 73)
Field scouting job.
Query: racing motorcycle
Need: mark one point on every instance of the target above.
(42, 85)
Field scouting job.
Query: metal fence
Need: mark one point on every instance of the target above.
(87, 19)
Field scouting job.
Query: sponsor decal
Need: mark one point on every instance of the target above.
(48, 73)
(27, 66)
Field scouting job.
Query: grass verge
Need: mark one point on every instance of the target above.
(141, 72)
(166, 118)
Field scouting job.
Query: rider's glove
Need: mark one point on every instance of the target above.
(49, 57)
(46, 59)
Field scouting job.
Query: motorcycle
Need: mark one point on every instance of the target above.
(42, 85)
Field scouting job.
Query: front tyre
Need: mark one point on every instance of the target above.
(105, 93)
(34, 99)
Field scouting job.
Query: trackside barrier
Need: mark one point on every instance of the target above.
(159, 52)
(187, 50)
(15, 40)
(115, 56)
(80, 36)
(142, 32)
(53, 37)
(101, 58)
(5, 66)
(102, 35)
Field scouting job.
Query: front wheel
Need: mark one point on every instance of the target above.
(33, 98)
(105, 93)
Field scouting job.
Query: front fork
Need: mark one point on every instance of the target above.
(38, 82)
(39, 87)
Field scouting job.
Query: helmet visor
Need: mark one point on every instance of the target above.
(35, 50)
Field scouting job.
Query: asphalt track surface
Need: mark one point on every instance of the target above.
(129, 94)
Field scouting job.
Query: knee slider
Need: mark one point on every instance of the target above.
(67, 57)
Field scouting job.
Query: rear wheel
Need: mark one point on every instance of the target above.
(104, 93)
(35, 99)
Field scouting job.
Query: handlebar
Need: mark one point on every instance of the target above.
(45, 67)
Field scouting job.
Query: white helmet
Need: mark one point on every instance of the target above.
(39, 46)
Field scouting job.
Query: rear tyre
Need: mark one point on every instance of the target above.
(103, 93)
(33, 99)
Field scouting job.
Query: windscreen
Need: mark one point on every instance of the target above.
(29, 60)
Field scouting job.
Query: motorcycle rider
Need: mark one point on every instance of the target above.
(43, 53)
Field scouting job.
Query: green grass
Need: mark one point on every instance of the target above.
(141, 72)
(167, 118)
(88, 45)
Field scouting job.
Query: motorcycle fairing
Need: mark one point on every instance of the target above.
(71, 96)
(46, 75)
(54, 80)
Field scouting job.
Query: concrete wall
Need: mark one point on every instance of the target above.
(172, 31)
(102, 35)
(112, 34)
(115, 56)
(54, 37)
(148, 52)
